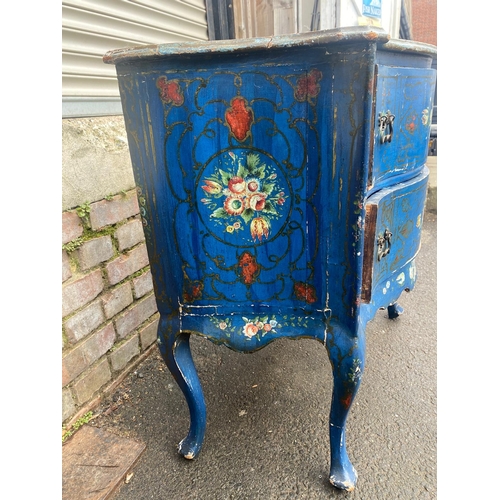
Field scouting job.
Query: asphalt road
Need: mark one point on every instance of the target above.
(267, 414)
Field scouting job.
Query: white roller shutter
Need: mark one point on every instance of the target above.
(92, 27)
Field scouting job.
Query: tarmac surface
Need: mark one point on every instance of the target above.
(267, 414)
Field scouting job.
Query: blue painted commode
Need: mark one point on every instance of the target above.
(282, 185)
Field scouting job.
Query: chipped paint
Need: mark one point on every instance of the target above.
(341, 484)
(419, 220)
(307, 40)
(413, 271)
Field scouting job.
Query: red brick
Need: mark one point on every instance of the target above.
(72, 365)
(95, 251)
(68, 405)
(80, 358)
(148, 334)
(143, 284)
(92, 382)
(117, 299)
(135, 315)
(120, 207)
(124, 353)
(424, 21)
(84, 322)
(81, 291)
(66, 266)
(127, 264)
(129, 234)
(71, 227)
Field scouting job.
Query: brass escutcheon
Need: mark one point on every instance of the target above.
(384, 244)
(386, 126)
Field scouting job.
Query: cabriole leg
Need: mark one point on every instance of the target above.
(347, 358)
(176, 352)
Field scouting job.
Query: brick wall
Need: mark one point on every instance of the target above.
(424, 21)
(109, 314)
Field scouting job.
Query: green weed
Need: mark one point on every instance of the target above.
(81, 421)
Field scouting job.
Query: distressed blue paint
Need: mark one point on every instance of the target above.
(311, 39)
(264, 188)
(408, 94)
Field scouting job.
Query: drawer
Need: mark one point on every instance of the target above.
(393, 224)
(402, 122)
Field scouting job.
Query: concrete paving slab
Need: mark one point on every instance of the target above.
(95, 462)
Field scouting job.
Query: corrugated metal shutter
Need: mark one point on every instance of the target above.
(92, 27)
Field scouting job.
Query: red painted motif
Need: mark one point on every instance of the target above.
(411, 124)
(249, 268)
(259, 228)
(239, 118)
(308, 86)
(193, 291)
(170, 91)
(305, 292)
(346, 402)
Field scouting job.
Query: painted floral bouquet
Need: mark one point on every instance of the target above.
(247, 195)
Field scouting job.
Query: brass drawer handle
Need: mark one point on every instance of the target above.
(386, 126)
(384, 244)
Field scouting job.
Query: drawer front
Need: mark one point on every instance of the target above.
(394, 218)
(403, 116)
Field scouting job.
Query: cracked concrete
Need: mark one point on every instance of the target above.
(95, 159)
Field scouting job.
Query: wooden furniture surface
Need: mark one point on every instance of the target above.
(282, 184)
